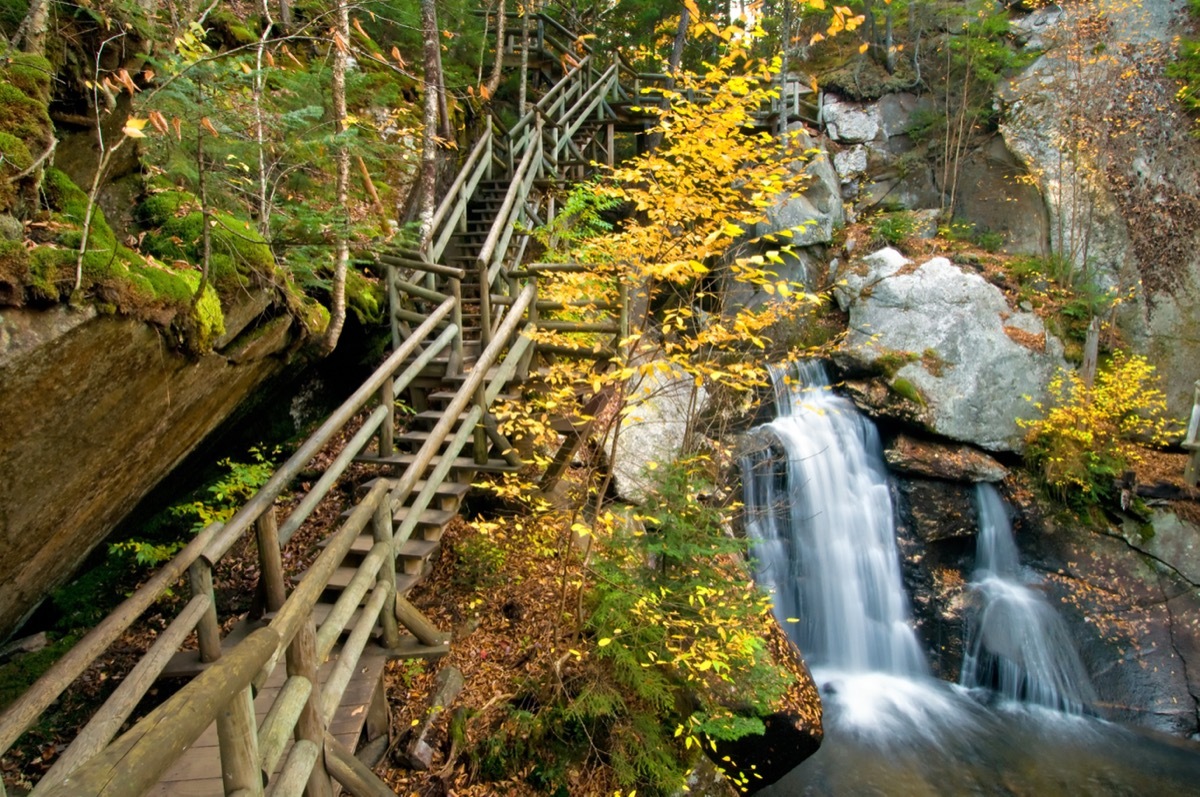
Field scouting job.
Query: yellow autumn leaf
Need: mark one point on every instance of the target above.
(603, 643)
(133, 127)
(863, 48)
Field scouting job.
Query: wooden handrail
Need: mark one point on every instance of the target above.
(29, 706)
(139, 758)
(266, 496)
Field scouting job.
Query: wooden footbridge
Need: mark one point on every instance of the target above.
(280, 704)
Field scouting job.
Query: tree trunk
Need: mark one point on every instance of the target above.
(31, 35)
(522, 91)
(260, 136)
(337, 313)
(429, 28)
(494, 79)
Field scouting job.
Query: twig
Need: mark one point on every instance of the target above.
(41, 159)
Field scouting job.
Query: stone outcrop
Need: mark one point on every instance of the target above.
(1127, 210)
(95, 410)
(947, 341)
(1129, 595)
(663, 402)
(934, 460)
(1135, 615)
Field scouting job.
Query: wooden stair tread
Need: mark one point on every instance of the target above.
(343, 575)
(447, 489)
(460, 463)
(416, 549)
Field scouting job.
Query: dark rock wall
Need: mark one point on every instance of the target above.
(93, 413)
(1133, 611)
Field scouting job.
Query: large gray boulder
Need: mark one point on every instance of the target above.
(973, 361)
(1124, 207)
(663, 401)
(814, 211)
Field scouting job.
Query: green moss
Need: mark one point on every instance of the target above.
(18, 675)
(14, 262)
(207, 321)
(162, 207)
(891, 361)
(47, 265)
(365, 298)
(31, 74)
(313, 315)
(231, 30)
(14, 159)
(906, 390)
(237, 249)
(22, 116)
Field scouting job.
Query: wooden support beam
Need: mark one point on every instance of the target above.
(137, 760)
(412, 619)
(355, 776)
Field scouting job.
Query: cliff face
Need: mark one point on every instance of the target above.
(94, 411)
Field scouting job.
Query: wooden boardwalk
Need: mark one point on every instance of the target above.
(361, 717)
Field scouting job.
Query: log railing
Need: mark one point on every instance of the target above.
(251, 752)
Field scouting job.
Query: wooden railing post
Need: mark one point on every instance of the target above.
(387, 429)
(485, 305)
(208, 630)
(526, 359)
(237, 735)
(456, 351)
(480, 437)
(266, 532)
(1192, 442)
(393, 275)
(381, 530)
(302, 661)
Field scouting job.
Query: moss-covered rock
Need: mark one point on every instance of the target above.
(365, 298)
(176, 234)
(25, 126)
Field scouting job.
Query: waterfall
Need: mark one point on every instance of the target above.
(1017, 644)
(830, 558)
(820, 518)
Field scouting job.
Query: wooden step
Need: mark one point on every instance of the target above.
(448, 495)
(459, 463)
(412, 549)
(429, 519)
(446, 396)
(432, 417)
(343, 575)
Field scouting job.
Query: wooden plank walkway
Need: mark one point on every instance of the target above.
(197, 773)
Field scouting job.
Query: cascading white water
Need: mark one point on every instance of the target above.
(1017, 644)
(831, 558)
(819, 513)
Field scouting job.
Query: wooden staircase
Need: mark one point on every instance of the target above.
(282, 699)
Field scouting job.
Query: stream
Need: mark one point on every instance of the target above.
(820, 516)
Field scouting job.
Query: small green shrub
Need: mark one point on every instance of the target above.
(480, 560)
(227, 494)
(893, 229)
(1087, 436)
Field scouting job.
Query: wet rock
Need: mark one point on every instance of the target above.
(947, 340)
(936, 559)
(663, 401)
(1135, 620)
(910, 455)
(938, 510)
